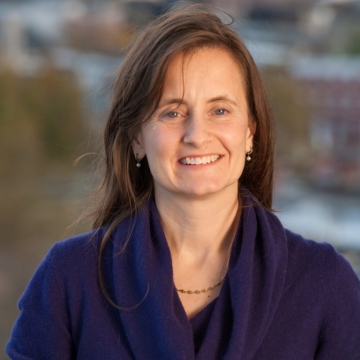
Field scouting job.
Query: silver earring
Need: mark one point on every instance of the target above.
(248, 157)
(137, 161)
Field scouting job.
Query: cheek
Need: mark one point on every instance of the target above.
(150, 137)
(236, 137)
(159, 138)
(159, 147)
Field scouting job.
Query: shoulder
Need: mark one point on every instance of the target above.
(54, 299)
(327, 283)
(312, 267)
(320, 267)
(310, 250)
(66, 275)
(76, 250)
(76, 255)
(79, 247)
(305, 258)
(311, 254)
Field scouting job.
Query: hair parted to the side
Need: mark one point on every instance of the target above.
(137, 93)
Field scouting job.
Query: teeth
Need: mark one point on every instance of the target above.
(199, 160)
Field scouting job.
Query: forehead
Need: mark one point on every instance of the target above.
(212, 67)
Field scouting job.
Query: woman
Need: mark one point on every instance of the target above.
(186, 260)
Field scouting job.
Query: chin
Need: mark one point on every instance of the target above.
(202, 191)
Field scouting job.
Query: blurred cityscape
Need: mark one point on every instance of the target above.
(57, 64)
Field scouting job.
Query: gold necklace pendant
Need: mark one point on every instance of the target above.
(212, 287)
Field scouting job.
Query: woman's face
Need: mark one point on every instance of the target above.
(196, 140)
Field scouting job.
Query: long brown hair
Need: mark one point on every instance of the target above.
(137, 92)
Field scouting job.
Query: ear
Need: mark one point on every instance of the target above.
(250, 135)
(137, 146)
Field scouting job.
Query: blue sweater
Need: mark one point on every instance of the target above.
(283, 298)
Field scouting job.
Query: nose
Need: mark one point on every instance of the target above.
(197, 131)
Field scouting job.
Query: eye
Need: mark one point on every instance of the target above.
(172, 114)
(220, 112)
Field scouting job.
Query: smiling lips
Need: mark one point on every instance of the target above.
(199, 160)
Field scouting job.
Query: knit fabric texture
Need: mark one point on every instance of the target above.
(283, 298)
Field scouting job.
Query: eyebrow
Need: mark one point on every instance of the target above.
(222, 98)
(172, 101)
(182, 101)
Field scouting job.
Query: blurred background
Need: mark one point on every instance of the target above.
(57, 60)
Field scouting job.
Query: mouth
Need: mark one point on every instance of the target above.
(199, 160)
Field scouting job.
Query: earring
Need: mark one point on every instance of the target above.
(137, 161)
(248, 157)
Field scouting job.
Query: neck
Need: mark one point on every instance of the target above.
(198, 227)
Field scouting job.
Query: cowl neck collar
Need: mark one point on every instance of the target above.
(158, 328)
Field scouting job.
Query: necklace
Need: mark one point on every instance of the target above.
(212, 287)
